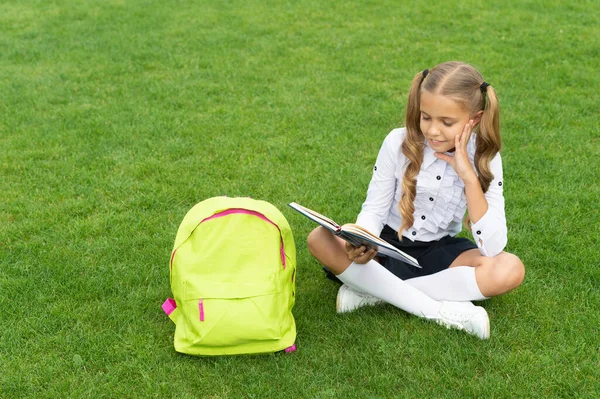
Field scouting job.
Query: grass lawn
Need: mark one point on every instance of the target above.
(117, 116)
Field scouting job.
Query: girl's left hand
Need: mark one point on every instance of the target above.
(460, 160)
(360, 255)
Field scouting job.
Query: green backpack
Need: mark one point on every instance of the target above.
(232, 276)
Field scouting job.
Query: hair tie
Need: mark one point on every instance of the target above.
(484, 87)
(425, 72)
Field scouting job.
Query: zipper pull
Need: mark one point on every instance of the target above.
(201, 309)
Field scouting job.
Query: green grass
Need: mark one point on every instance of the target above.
(117, 116)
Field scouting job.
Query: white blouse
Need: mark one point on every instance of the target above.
(440, 202)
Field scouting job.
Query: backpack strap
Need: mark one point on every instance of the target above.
(290, 349)
(170, 308)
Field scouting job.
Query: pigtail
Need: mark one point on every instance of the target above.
(488, 138)
(412, 148)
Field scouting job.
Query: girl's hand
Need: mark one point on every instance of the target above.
(360, 255)
(460, 160)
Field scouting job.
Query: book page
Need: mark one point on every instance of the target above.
(359, 230)
(355, 235)
(316, 216)
(358, 236)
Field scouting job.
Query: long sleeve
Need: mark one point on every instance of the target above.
(380, 194)
(490, 232)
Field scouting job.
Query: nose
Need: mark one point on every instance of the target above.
(433, 129)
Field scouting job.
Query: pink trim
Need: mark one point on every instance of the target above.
(172, 257)
(201, 309)
(232, 211)
(169, 306)
(290, 349)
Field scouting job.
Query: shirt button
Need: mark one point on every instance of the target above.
(423, 217)
(478, 232)
(414, 233)
(430, 198)
(500, 183)
(439, 177)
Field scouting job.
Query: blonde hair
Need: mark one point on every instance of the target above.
(462, 83)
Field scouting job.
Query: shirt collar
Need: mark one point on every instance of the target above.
(428, 157)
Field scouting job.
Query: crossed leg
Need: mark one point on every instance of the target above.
(375, 280)
(493, 275)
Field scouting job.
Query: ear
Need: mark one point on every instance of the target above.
(477, 117)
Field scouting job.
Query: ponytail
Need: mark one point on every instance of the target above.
(488, 138)
(412, 148)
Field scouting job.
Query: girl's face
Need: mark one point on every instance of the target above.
(442, 119)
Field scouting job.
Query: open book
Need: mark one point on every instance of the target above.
(356, 235)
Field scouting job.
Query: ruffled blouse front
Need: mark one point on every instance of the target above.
(440, 202)
(438, 206)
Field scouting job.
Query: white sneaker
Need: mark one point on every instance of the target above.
(465, 316)
(349, 299)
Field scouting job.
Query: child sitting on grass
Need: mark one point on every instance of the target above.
(445, 162)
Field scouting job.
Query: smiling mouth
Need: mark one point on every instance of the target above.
(436, 141)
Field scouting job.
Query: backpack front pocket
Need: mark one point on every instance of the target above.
(235, 315)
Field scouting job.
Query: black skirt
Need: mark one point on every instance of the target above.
(433, 256)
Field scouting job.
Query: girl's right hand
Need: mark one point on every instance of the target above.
(360, 255)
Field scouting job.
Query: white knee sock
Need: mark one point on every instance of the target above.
(454, 284)
(374, 279)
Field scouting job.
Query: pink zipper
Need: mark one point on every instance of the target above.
(201, 309)
(232, 211)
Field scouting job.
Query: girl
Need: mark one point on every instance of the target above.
(427, 175)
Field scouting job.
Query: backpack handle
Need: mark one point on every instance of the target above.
(232, 211)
